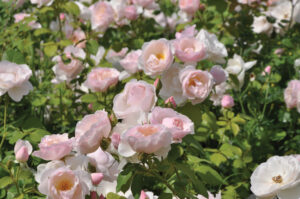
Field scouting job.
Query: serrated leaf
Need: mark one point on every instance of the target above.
(217, 158)
(50, 50)
(72, 8)
(5, 181)
(230, 151)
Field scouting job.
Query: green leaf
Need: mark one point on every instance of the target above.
(165, 196)
(114, 196)
(36, 135)
(124, 181)
(92, 46)
(50, 50)
(234, 128)
(14, 56)
(72, 8)
(40, 101)
(220, 5)
(217, 158)
(89, 98)
(209, 175)
(5, 181)
(41, 31)
(137, 185)
(230, 151)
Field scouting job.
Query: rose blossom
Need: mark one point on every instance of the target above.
(14, 80)
(278, 176)
(189, 6)
(96, 178)
(219, 74)
(90, 131)
(196, 84)
(147, 195)
(215, 50)
(57, 181)
(54, 147)
(137, 97)
(189, 31)
(144, 3)
(179, 125)
(104, 163)
(189, 49)
(78, 36)
(68, 71)
(291, 94)
(41, 3)
(22, 150)
(210, 196)
(20, 16)
(130, 61)
(102, 15)
(17, 3)
(100, 79)
(261, 25)
(148, 138)
(171, 85)
(131, 13)
(114, 57)
(227, 101)
(156, 57)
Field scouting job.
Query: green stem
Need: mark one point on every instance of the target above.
(265, 103)
(4, 125)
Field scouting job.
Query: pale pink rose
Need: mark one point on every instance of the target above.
(41, 3)
(130, 61)
(54, 147)
(78, 38)
(102, 15)
(100, 79)
(279, 51)
(248, 1)
(59, 182)
(196, 84)
(143, 3)
(227, 101)
(189, 6)
(147, 195)
(268, 69)
(22, 150)
(114, 57)
(131, 13)
(14, 79)
(90, 131)
(115, 140)
(291, 94)
(96, 178)
(218, 92)
(172, 101)
(148, 138)
(219, 74)
(68, 71)
(171, 85)
(137, 96)
(105, 164)
(156, 57)
(62, 16)
(210, 196)
(189, 49)
(189, 31)
(179, 125)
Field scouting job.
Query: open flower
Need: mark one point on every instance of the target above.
(54, 147)
(189, 6)
(130, 61)
(179, 125)
(156, 57)
(100, 79)
(220, 75)
(14, 80)
(291, 94)
(90, 131)
(22, 150)
(137, 97)
(261, 25)
(58, 181)
(102, 15)
(210, 196)
(148, 138)
(196, 84)
(278, 176)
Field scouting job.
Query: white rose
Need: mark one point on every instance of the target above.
(261, 25)
(14, 80)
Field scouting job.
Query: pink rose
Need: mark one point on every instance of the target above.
(96, 178)
(90, 131)
(219, 74)
(227, 101)
(143, 3)
(78, 36)
(156, 57)
(22, 150)
(131, 13)
(291, 94)
(189, 6)
(105, 164)
(68, 71)
(189, 49)
(267, 70)
(20, 16)
(115, 140)
(14, 79)
(210, 196)
(114, 57)
(179, 125)
(137, 96)
(130, 61)
(100, 79)
(102, 15)
(54, 147)
(196, 84)
(189, 31)
(59, 182)
(148, 138)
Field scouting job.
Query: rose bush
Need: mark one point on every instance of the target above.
(145, 99)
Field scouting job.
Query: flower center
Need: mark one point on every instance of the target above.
(147, 131)
(64, 185)
(277, 179)
(160, 56)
